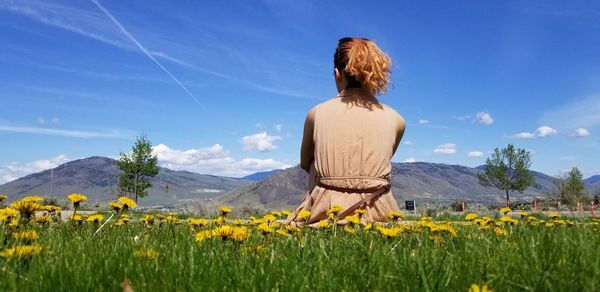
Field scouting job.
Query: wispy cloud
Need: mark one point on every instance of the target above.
(582, 113)
(80, 21)
(475, 154)
(144, 50)
(64, 132)
(448, 148)
(541, 132)
(14, 170)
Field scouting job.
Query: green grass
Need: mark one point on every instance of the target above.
(529, 258)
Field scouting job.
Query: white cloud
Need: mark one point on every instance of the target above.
(448, 148)
(62, 132)
(461, 118)
(410, 160)
(13, 171)
(475, 154)
(262, 142)
(408, 142)
(484, 118)
(212, 160)
(278, 127)
(40, 120)
(581, 132)
(543, 131)
(423, 122)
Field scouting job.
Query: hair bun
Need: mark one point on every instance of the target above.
(368, 64)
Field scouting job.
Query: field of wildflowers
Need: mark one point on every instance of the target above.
(120, 249)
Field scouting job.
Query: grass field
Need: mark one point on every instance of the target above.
(176, 253)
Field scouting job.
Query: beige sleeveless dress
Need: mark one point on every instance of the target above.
(353, 146)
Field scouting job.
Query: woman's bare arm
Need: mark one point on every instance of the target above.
(400, 132)
(307, 150)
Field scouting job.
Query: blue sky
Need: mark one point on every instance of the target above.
(223, 87)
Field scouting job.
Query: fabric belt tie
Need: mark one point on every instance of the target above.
(372, 195)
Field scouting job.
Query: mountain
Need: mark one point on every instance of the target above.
(420, 181)
(261, 175)
(592, 184)
(97, 178)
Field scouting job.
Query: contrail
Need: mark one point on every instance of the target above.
(143, 49)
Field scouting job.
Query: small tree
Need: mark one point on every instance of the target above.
(137, 166)
(508, 170)
(573, 187)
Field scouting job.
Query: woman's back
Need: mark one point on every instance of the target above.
(354, 141)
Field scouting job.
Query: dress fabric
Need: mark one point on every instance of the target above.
(353, 147)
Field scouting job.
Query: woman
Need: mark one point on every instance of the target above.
(349, 140)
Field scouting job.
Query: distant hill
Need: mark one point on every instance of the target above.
(261, 175)
(424, 182)
(97, 178)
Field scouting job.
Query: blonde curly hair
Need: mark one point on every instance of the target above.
(364, 63)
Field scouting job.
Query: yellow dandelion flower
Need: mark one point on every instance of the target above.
(197, 222)
(21, 251)
(523, 214)
(426, 219)
(44, 219)
(553, 215)
(119, 222)
(549, 224)
(26, 208)
(291, 228)
(225, 210)
(8, 213)
(269, 218)
(471, 216)
(323, 224)
(360, 212)
(368, 226)
(394, 215)
(116, 206)
(282, 232)
(160, 217)
(505, 210)
(389, 232)
(333, 211)
(76, 218)
(148, 219)
(25, 235)
(531, 219)
(51, 208)
(218, 221)
(303, 214)
(202, 235)
(240, 233)
(77, 198)
(237, 222)
(352, 219)
(3, 197)
(349, 229)
(286, 213)
(276, 214)
(147, 253)
(265, 228)
(96, 218)
(33, 199)
(500, 231)
(127, 202)
(224, 231)
(475, 288)
(443, 228)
